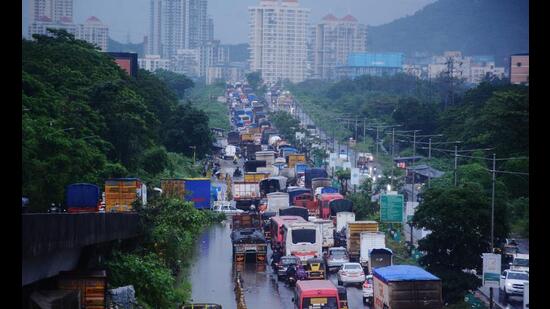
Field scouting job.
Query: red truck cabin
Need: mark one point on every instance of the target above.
(321, 294)
(306, 200)
(276, 228)
(324, 209)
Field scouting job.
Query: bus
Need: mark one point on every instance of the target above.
(322, 294)
(276, 228)
(302, 239)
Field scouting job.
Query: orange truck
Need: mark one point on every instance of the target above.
(121, 193)
(294, 158)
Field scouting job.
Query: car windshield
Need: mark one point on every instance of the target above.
(299, 236)
(320, 303)
(518, 276)
(521, 262)
(338, 253)
(352, 266)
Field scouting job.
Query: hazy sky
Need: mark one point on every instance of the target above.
(131, 17)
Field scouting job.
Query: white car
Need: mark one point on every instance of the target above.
(511, 282)
(228, 209)
(368, 290)
(351, 273)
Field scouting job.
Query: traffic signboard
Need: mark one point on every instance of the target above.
(391, 208)
(491, 270)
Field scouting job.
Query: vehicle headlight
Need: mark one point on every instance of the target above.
(509, 284)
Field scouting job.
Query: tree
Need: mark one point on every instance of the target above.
(178, 83)
(459, 218)
(186, 128)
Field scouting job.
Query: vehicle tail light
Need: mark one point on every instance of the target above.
(366, 284)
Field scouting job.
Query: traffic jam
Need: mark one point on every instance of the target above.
(291, 220)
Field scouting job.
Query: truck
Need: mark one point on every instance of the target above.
(82, 197)
(247, 137)
(276, 201)
(294, 158)
(294, 211)
(370, 241)
(520, 262)
(252, 165)
(249, 245)
(121, 193)
(342, 220)
(272, 184)
(300, 168)
(311, 173)
(353, 236)
(198, 191)
(173, 187)
(255, 177)
(245, 194)
(233, 138)
(250, 151)
(267, 156)
(326, 228)
(320, 182)
(406, 286)
(229, 152)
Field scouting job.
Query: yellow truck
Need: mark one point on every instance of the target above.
(294, 158)
(255, 177)
(353, 236)
(173, 187)
(247, 137)
(121, 193)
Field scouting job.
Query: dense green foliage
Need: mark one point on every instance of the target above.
(178, 83)
(254, 79)
(488, 27)
(204, 98)
(85, 120)
(286, 124)
(171, 227)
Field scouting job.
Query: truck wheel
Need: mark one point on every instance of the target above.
(505, 295)
(364, 300)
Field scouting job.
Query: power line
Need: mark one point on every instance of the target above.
(508, 172)
(503, 159)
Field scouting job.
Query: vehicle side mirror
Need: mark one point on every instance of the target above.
(510, 263)
(502, 277)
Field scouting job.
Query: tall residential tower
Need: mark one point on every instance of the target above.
(278, 46)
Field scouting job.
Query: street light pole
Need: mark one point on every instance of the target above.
(493, 205)
(456, 162)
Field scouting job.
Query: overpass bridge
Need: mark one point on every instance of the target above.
(54, 242)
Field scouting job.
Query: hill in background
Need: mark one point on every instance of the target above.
(115, 46)
(475, 27)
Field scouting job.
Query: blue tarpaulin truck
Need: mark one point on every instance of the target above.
(198, 190)
(82, 197)
(406, 287)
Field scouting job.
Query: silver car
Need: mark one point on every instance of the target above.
(351, 273)
(336, 257)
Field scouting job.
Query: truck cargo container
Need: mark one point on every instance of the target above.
(406, 287)
(272, 184)
(229, 152)
(82, 197)
(121, 193)
(233, 138)
(353, 236)
(311, 173)
(326, 228)
(300, 169)
(342, 220)
(276, 201)
(197, 190)
(295, 191)
(245, 194)
(294, 211)
(267, 156)
(249, 245)
(323, 203)
(173, 187)
(247, 137)
(307, 201)
(255, 177)
(251, 165)
(319, 183)
(269, 171)
(250, 151)
(369, 241)
(294, 158)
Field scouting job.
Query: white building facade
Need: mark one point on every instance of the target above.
(278, 40)
(153, 62)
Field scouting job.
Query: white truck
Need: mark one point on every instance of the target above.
(526, 295)
(520, 262)
(267, 156)
(373, 252)
(229, 152)
(343, 218)
(326, 228)
(276, 201)
(246, 194)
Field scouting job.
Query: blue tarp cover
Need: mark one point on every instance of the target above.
(402, 273)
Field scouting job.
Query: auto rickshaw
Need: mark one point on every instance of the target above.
(315, 268)
(343, 295)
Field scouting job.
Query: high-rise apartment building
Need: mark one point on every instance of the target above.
(175, 25)
(335, 39)
(278, 40)
(58, 14)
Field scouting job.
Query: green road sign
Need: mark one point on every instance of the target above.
(391, 208)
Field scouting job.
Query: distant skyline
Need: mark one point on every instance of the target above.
(131, 17)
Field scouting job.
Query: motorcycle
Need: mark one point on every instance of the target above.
(291, 280)
(237, 173)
